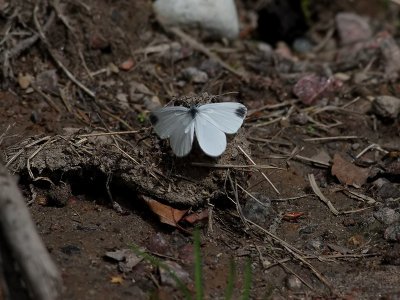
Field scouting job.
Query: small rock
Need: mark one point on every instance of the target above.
(356, 240)
(70, 250)
(386, 189)
(218, 17)
(159, 244)
(392, 255)
(113, 68)
(311, 88)
(352, 28)
(194, 75)
(386, 106)
(293, 283)
(299, 119)
(127, 65)
(123, 100)
(48, 81)
(392, 233)
(99, 42)
(24, 81)
(211, 67)
(355, 146)
(307, 230)
(264, 47)
(257, 212)
(179, 272)
(302, 45)
(387, 216)
(349, 222)
(314, 245)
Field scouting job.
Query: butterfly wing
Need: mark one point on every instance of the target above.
(226, 116)
(177, 124)
(211, 139)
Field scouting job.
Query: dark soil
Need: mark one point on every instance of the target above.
(89, 195)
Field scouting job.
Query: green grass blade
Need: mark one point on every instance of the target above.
(231, 280)
(198, 266)
(247, 281)
(161, 265)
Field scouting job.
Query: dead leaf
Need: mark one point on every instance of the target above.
(292, 216)
(166, 213)
(197, 217)
(356, 240)
(348, 173)
(116, 279)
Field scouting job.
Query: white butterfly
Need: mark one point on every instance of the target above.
(209, 121)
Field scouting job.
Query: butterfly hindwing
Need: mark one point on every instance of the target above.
(226, 116)
(211, 139)
(181, 140)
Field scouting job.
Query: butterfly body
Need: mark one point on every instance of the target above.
(210, 123)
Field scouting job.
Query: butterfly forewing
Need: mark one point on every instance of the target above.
(226, 116)
(177, 124)
(167, 120)
(211, 139)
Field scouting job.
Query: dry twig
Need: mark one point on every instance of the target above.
(38, 270)
(262, 173)
(317, 191)
(58, 62)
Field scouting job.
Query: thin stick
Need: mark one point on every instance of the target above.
(33, 261)
(262, 173)
(58, 62)
(347, 212)
(251, 196)
(201, 48)
(108, 133)
(28, 161)
(234, 166)
(26, 147)
(317, 191)
(46, 97)
(372, 146)
(295, 252)
(332, 138)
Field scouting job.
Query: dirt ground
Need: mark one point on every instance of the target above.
(311, 111)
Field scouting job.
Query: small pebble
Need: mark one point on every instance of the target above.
(257, 212)
(302, 45)
(355, 146)
(386, 107)
(293, 283)
(392, 233)
(194, 75)
(387, 215)
(70, 250)
(349, 222)
(314, 245)
(307, 230)
(127, 65)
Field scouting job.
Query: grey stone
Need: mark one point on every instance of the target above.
(352, 28)
(387, 216)
(257, 212)
(386, 106)
(194, 75)
(218, 17)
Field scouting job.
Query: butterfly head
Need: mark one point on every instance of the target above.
(193, 110)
